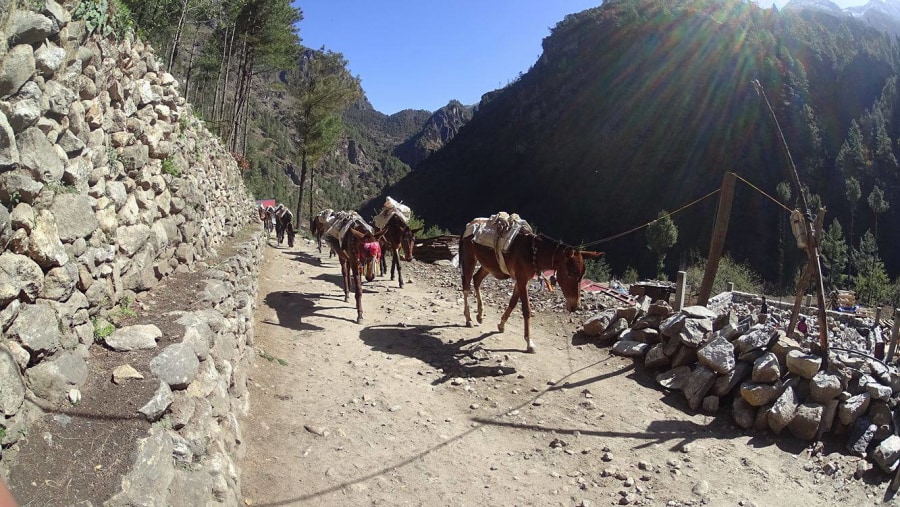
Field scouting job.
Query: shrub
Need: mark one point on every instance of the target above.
(741, 275)
(169, 167)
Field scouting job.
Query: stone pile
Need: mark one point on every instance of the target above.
(769, 381)
(108, 185)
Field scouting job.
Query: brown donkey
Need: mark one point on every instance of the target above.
(397, 236)
(528, 254)
(358, 252)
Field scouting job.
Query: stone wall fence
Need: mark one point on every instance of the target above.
(108, 184)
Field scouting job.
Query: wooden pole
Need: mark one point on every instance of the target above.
(895, 331)
(717, 243)
(813, 243)
(805, 277)
(820, 288)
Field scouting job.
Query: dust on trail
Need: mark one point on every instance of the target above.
(413, 408)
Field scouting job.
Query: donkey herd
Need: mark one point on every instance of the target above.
(503, 246)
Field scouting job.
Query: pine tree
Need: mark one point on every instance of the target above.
(878, 204)
(661, 235)
(322, 89)
(834, 255)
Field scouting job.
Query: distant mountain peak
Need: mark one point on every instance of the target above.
(882, 15)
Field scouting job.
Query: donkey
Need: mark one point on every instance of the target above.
(358, 252)
(528, 254)
(397, 236)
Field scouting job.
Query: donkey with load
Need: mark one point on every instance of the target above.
(357, 247)
(505, 246)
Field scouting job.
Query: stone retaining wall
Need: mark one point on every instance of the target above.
(729, 357)
(109, 184)
(191, 454)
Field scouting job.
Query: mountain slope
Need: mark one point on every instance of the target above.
(639, 106)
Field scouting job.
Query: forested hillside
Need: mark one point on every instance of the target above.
(641, 106)
(243, 67)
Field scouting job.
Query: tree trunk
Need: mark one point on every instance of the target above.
(176, 39)
(312, 176)
(302, 181)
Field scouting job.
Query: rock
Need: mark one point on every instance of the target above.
(139, 337)
(700, 312)
(157, 406)
(718, 355)
(12, 386)
(38, 156)
(697, 385)
(674, 379)
(125, 372)
(878, 391)
(16, 68)
(150, 474)
(824, 387)
(804, 365)
(51, 379)
(74, 216)
(19, 277)
(766, 369)
(755, 339)
(760, 394)
(9, 151)
(887, 453)
(28, 27)
(860, 436)
(656, 358)
(853, 407)
(727, 382)
(782, 412)
(598, 323)
(743, 412)
(176, 365)
(37, 329)
(630, 348)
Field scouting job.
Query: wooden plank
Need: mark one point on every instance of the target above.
(717, 243)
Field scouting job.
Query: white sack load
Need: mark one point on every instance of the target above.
(392, 208)
(498, 231)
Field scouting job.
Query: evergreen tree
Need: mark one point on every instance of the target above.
(661, 235)
(853, 158)
(878, 204)
(834, 255)
(853, 192)
(322, 89)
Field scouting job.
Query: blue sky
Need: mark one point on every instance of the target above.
(420, 54)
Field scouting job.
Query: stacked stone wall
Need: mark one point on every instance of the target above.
(108, 185)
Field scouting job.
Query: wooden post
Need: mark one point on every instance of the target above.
(895, 331)
(805, 277)
(717, 243)
(820, 288)
(680, 290)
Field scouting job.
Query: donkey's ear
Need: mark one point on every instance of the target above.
(591, 255)
(357, 233)
(415, 231)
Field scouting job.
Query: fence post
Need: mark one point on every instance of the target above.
(680, 289)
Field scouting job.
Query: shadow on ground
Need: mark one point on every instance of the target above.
(463, 358)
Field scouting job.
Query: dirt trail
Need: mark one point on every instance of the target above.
(413, 408)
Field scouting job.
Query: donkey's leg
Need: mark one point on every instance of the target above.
(466, 268)
(509, 308)
(479, 277)
(526, 314)
(345, 274)
(396, 261)
(357, 287)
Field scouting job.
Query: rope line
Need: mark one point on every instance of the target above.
(648, 224)
(754, 187)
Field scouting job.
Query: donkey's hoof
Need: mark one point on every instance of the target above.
(469, 323)
(530, 349)
(500, 327)
(359, 320)
(479, 319)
